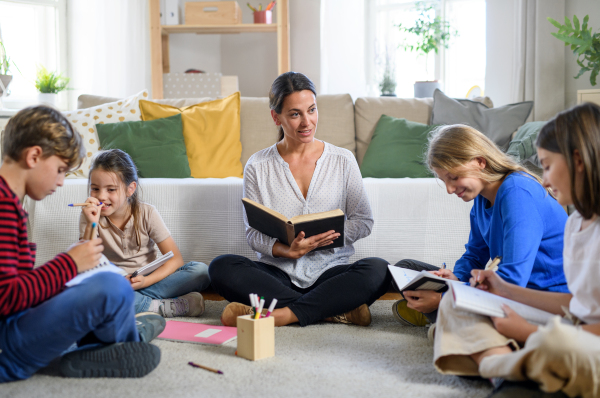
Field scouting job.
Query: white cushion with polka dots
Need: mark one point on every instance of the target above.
(85, 120)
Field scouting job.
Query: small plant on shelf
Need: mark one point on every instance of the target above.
(388, 84)
(48, 82)
(584, 43)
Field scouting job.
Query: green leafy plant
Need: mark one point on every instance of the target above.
(4, 60)
(429, 32)
(388, 84)
(50, 82)
(584, 44)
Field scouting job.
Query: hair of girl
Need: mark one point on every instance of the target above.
(577, 129)
(452, 147)
(287, 83)
(119, 162)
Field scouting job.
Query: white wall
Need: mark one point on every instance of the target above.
(253, 56)
(580, 8)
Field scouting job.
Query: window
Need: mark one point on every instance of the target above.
(32, 34)
(457, 68)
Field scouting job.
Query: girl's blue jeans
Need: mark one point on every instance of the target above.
(98, 310)
(192, 277)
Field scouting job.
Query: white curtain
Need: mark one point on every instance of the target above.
(539, 58)
(108, 47)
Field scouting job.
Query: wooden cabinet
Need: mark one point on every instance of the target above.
(159, 40)
(588, 96)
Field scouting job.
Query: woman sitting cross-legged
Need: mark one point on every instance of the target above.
(303, 175)
(513, 217)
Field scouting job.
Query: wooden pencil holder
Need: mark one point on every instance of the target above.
(255, 337)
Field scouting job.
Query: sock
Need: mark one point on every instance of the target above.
(155, 306)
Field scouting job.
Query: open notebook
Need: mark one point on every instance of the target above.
(407, 279)
(103, 266)
(480, 302)
(189, 332)
(150, 267)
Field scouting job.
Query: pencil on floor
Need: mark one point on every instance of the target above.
(195, 365)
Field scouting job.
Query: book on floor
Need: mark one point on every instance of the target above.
(276, 225)
(189, 332)
(151, 267)
(407, 279)
(480, 302)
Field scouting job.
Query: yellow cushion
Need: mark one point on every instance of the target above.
(211, 132)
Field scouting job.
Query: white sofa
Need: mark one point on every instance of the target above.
(414, 218)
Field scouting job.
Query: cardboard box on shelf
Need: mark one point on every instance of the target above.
(213, 13)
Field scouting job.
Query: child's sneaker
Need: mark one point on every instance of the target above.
(191, 304)
(132, 359)
(149, 325)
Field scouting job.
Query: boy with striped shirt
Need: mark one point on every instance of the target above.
(39, 318)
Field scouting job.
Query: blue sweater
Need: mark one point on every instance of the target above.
(525, 226)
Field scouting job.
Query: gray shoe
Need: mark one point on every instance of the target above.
(149, 325)
(132, 359)
(191, 304)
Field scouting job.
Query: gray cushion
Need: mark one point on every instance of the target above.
(496, 123)
(522, 148)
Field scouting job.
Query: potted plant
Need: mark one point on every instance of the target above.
(429, 33)
(584, 44)
(5, 78)
(49, 84)
(388, 84)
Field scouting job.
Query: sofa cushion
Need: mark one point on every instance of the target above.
(85, 121)
(368, 110)
(211, 131)
(496, 123)
(156, 146)
(396, 149)
(88, 101)
(523, 148)
(336, 123)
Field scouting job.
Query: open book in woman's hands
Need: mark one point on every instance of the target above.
(276, 225)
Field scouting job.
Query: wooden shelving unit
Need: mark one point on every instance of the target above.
(159, 40)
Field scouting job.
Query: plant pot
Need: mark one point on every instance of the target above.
(5, 81)
(425, 89)
(388, 95)
(48, 99)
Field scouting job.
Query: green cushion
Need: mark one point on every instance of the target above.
(397, 149)
(156, 147)
(522, 147)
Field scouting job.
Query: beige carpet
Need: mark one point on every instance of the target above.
(385, 359)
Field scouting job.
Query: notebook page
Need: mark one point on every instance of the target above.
(468, 298)
(103, 266)
(402, 276)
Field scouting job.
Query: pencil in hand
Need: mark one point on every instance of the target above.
(82, 204)
(491, 266)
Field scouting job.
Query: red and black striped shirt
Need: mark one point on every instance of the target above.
(22, 286)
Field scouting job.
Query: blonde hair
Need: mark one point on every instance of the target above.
(452, 147)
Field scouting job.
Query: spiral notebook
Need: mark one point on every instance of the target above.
(103, 266)
(199, 333)
(480, 302)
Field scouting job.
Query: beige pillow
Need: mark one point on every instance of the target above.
(85, 120)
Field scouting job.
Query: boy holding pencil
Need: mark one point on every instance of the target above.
(39, 318)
